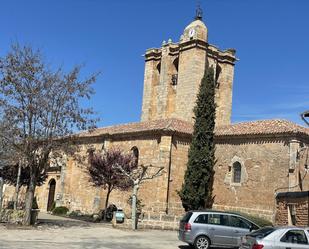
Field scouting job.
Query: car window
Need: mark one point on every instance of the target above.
(218, 219)
(186, 217)
(254, 227)
(235, 221)
(262, 232)
(295, 236)
(202, 218)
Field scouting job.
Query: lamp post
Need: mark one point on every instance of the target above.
(305, 115)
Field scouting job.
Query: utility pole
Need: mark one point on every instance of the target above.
(1, 192)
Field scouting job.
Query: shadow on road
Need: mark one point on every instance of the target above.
(191, 247)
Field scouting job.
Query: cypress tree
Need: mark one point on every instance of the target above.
(196, 192)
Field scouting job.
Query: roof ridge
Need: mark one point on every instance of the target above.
(265, 120)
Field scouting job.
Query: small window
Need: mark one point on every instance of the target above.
(202, 218)
(135, 153)
(295, 236)
(236, 172)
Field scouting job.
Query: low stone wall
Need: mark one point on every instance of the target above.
(12, 216)
(154, 221)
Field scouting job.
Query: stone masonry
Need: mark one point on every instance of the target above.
(174, 71)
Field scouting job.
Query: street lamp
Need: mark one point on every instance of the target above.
(305, 115)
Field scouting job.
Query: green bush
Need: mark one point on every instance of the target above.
(60, 211)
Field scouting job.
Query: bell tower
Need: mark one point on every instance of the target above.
(174, 71)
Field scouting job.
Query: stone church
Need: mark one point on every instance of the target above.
(255, 160)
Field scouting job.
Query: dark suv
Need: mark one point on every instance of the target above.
(213, 228)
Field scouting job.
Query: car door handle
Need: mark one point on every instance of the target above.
(212, 229)
(236, 231)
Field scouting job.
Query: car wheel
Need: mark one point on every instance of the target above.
(202, 242)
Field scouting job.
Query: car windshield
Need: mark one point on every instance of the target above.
(186, 217)
(263, 232)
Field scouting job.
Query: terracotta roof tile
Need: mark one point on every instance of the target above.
(275, 126)
(155, 125)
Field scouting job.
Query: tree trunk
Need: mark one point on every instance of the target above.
(134, 197)
(1, 192)
(17, 187)
(29, 198)
(106, 202)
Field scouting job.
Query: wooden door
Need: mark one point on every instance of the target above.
(51, 194)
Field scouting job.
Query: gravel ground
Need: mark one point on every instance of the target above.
(62, 233)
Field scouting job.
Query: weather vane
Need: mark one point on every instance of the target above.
(199, 11)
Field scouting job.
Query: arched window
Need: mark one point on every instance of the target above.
(175, 72)
(135, 153)
(159, 67)
(236, 172)
(176, 63)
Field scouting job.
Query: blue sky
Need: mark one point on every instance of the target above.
(271, 39)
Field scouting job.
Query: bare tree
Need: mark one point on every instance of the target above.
(40, 106)
(138, 176)
(103, 173)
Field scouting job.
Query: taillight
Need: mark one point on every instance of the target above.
(257, 246)
(187, 227)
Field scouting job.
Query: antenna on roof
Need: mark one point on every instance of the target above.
(199, 11)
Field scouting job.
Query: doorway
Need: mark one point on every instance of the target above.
(51, 194)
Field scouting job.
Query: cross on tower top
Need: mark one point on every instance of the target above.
(198, 12)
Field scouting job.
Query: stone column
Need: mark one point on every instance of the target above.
(164, 160)
(60, 196)
(294, 146)
(163, 85)
(151, 79)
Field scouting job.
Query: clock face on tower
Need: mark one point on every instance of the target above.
(191, 32)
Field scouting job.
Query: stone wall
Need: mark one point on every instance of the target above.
(12, 216)
(262, 161)
(162, 222)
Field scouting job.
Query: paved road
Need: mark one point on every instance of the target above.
(86, 236)
(93, 237)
